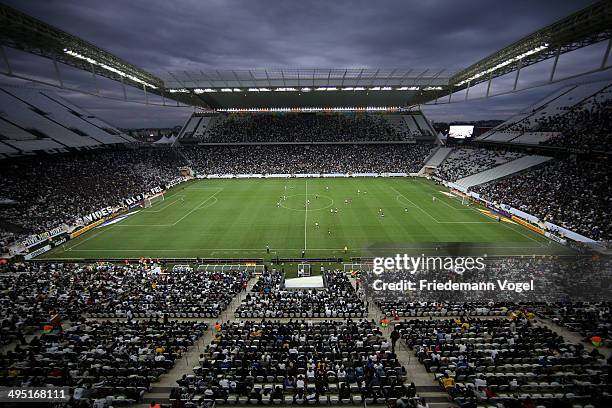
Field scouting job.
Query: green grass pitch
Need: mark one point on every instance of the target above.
(232, 218)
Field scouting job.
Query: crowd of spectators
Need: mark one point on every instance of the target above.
(507, 362)
(555, 277)
(270, 298)
(464, 162)
(592, 320)
(45, 192)
(324, 362)
(312, 159)
(573, 194)
(34, 293)
(105, 363)
(302, 128)
(585, 126)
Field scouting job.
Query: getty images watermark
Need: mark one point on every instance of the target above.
(401, 270)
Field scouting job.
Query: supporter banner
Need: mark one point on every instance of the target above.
(40, 238)
(527, 224)
(96, 215)
(176, 182)
(37, 252)
(333, 175)
(60, 240)
(136, 199)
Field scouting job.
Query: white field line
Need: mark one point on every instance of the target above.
(161, 209)
(305, 214)
(278, 249)
(407, 199)
(507, 226)
(198, 206)
(138, 225)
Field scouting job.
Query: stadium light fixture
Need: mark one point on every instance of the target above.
(286, 90)
(178, 90)
(504, 63)
(108, 67)
(432, 88)
(227, 90)
(205, 90)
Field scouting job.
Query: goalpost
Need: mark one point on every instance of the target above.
(149, 201)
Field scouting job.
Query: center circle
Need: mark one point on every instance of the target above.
(297, 202)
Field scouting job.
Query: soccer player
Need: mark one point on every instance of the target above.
(328, 232)
(278, 205)
(358, 191)
(433, 199)
(405, 209)
(326, 188)
(316, 225)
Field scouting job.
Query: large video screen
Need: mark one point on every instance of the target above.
(460, 131)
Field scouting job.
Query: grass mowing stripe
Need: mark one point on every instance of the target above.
(305, 214)
(240, 216)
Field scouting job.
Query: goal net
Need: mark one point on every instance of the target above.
(149, 201)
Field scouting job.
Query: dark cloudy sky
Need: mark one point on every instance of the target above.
(160, 35)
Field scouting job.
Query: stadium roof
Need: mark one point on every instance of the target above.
(268, 88)
(306, 87)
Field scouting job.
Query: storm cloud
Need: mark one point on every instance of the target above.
(188, 35)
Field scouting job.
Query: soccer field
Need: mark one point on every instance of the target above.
(233, 218)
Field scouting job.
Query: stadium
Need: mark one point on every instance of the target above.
(193, 216)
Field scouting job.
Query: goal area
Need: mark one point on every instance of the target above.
(149, 201)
